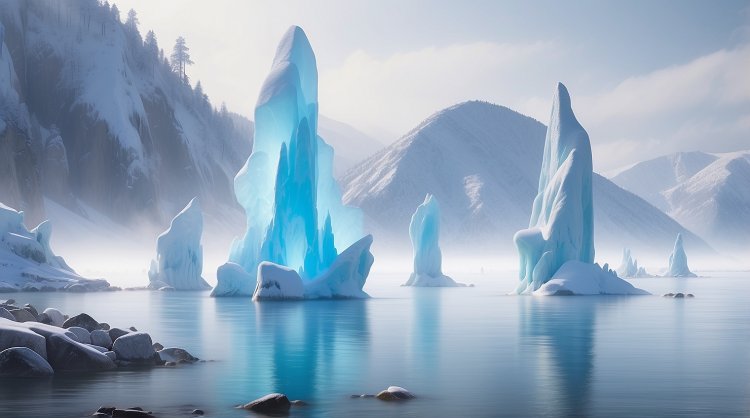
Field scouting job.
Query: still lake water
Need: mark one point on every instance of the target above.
(466, 352)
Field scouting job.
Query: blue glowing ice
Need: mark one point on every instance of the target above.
(287, 186)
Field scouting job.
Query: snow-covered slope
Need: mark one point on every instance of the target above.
(102, 120)
(648, 179)
(708, 193)
(482, 162)
(351, 145)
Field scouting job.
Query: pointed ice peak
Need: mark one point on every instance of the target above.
(295, 50)
(678, 266)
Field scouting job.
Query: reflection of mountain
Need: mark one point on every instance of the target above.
(561, 332)
(305, 344)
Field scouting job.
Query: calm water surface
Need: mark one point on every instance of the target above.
(465, 352)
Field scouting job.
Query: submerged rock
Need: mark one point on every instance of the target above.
(394, 393)
(274, 403)
(23, 362)
(176, 355)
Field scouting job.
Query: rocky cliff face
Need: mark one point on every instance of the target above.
(92, 116)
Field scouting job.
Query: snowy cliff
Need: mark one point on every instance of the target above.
(98, 119)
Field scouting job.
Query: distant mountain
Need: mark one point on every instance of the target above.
(350, 145)
(482, 162)
(708, 193)
(92, 116)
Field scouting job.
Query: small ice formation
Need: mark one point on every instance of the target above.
(557, 250)
(629, 266)
(27, 262)
(295, 217)
(424, 231)
(678, 266)
(179, 253)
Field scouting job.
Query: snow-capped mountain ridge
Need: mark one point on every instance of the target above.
(482, 160)
(709, 193)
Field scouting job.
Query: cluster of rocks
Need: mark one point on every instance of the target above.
(40, 344)
(678, 295)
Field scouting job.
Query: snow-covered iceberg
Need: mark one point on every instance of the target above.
(295, 217)
(27, 262)
(558, 246)
(629, 266)
(678, 266)
(424, 231)
(179, 253)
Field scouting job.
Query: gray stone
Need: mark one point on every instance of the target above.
(115, 333)
(12, 335)
(23, 315)
(176, 355)
(158, 347)
(101, 338)
(394, 393)
(130, 413)
(82, 320)
(65, 354)
(274, 403)
(197, 412)
(31, 308)
(679, 295)
(82, 334)
(104, 325)
(7, 315)
(111, 354)
(97, 348)
(23, 362)
(134, 347)
(7, 302)
(56, 317)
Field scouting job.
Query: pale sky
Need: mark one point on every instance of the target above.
(646, 77)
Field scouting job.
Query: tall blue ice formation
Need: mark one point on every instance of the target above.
(424, 231)
(557, 250)
(678, 266)
(179, 253)
(562, 218)
(295, 217)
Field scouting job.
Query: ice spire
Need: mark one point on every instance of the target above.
(424, 231)
(562, 219)
(295, 217)
(179, 259)
(678, 266)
